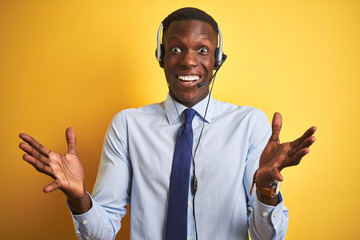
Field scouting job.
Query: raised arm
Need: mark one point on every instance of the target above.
(277, 156)
(66, 169)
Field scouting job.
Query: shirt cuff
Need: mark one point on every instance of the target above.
(86, 221)
(266, 213)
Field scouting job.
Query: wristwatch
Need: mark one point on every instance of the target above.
(272, 191)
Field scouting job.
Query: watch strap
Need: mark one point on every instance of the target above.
(268, 192)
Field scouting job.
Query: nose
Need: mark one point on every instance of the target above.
(189, 59)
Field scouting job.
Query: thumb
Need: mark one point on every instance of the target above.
(52, 186)
(277, 175)
(71, 140)
(276, 127)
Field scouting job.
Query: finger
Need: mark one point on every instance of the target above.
(306, 135)
(276, 127)
(305, 144)
(32, 152)
(71, 141)
(295, 160)
(55, 185)
(39, 166)
(35, 144)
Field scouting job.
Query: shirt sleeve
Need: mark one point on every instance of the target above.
(87, 224)
(112, 188)
(265, 222)
(268, 222)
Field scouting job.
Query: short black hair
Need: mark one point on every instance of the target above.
(189, 13)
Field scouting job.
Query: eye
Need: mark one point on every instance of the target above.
(203, 50)
(175, 50)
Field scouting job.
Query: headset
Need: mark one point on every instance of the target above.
(220, 57)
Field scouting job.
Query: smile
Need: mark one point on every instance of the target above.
(188, 78)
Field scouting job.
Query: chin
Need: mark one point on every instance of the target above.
(189, 100)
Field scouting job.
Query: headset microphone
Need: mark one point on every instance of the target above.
(200, 85)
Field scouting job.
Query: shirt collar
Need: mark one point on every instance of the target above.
(173, 113)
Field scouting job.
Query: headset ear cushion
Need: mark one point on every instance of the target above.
(162, 54)
(156, 53)
(216, 64)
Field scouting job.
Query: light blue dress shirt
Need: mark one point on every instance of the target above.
(136, 164)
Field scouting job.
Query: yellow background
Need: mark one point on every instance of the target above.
(77, 63)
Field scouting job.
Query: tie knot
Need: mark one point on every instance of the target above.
(189, 114)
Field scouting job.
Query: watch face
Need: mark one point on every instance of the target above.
(277, 189)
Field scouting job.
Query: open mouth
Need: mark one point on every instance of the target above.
(188, 78)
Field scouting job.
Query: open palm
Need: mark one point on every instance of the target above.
(277, 156)
(66, 169)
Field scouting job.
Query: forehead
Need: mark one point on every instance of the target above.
(185, 28)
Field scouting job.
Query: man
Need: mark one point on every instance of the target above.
(228, 149)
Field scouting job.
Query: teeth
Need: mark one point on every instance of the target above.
(188, 77)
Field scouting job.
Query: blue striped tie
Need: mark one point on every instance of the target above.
(176, 226)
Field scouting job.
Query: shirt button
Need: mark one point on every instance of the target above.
(84, 222)
(189, 238)
(275, 214)
(264, 214)
(190, 205)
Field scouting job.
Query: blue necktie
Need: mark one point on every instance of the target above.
(176, 225)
